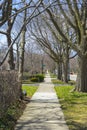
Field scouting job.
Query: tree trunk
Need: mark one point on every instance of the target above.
(59, 71)
(66, 66)
(81, 84)
(17, 56)
(21, 55)
(11, 65)
(21, 61)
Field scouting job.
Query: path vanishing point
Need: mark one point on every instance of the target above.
(44, 111)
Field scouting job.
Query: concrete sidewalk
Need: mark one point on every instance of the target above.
(43, 112)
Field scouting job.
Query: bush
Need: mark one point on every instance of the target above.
(40, 77)
(34, 79)
(12, 114)
(9, 90)
(37, 78)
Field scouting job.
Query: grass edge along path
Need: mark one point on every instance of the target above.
(74, 106)
(30, 90)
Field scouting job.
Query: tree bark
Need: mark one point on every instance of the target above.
(66, 69)
(66, 64)
(11, 65)
(21, 55)
(21, 61)
(17, 56)
(81, 83)
(59, 71)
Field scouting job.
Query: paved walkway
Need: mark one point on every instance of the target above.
(43, 112)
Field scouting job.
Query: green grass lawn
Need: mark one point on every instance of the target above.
(56, 81)
(74, 106)
(29, 89)
(53, 75)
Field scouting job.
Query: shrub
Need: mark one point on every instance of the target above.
(12, 114)
(37, 78)
(40, 77)
(34, 79)
(9, 90)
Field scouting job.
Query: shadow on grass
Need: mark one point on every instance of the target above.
(75, 98)
(76, 126)
(74, 106)
(72, 103)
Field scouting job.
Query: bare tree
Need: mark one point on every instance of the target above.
(48, 43)
(22, 48)
(4, 11)
(52, 43)
(32, 6)
(10, 23)
(75, 15)
(64, 48)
